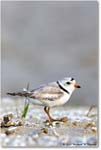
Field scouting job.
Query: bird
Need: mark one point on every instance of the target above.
(52, 94)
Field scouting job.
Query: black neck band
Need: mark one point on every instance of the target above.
(62, 87)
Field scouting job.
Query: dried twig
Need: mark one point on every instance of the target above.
(90, 110)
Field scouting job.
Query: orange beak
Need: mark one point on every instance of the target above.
(76, 85)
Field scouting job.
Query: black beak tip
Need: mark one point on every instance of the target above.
(78, 86)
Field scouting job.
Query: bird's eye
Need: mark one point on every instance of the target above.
(68, 82)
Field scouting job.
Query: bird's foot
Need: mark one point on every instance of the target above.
(51, 119)
(64, 119)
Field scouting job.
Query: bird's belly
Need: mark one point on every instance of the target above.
(42, 102)
(51, 103)
(62, 100)
(36, 102)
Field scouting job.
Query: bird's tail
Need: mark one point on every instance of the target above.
(23, 94)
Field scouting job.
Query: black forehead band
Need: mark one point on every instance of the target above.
(72, 79)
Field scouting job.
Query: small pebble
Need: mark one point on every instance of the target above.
(74, 123)
(94, 129)
(44, 130)
(93, 124)
(10, 131)
(7, 132)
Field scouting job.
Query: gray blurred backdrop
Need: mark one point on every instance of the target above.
(46, 41)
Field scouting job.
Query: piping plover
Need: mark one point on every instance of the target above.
(51, 95)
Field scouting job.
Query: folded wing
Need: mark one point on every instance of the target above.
(50, 91)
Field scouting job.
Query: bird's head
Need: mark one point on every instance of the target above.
(69, 84)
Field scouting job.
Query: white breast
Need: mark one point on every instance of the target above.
(63, 99)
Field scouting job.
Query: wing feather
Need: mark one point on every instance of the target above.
(50, 91)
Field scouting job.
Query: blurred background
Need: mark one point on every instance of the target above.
(47, 41)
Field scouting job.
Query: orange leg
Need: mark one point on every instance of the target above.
(47, 110)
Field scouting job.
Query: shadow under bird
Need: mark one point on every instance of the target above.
(50, 95)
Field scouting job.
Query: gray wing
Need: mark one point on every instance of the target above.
(50, 91)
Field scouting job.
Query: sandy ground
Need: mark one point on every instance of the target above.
(80, 130)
